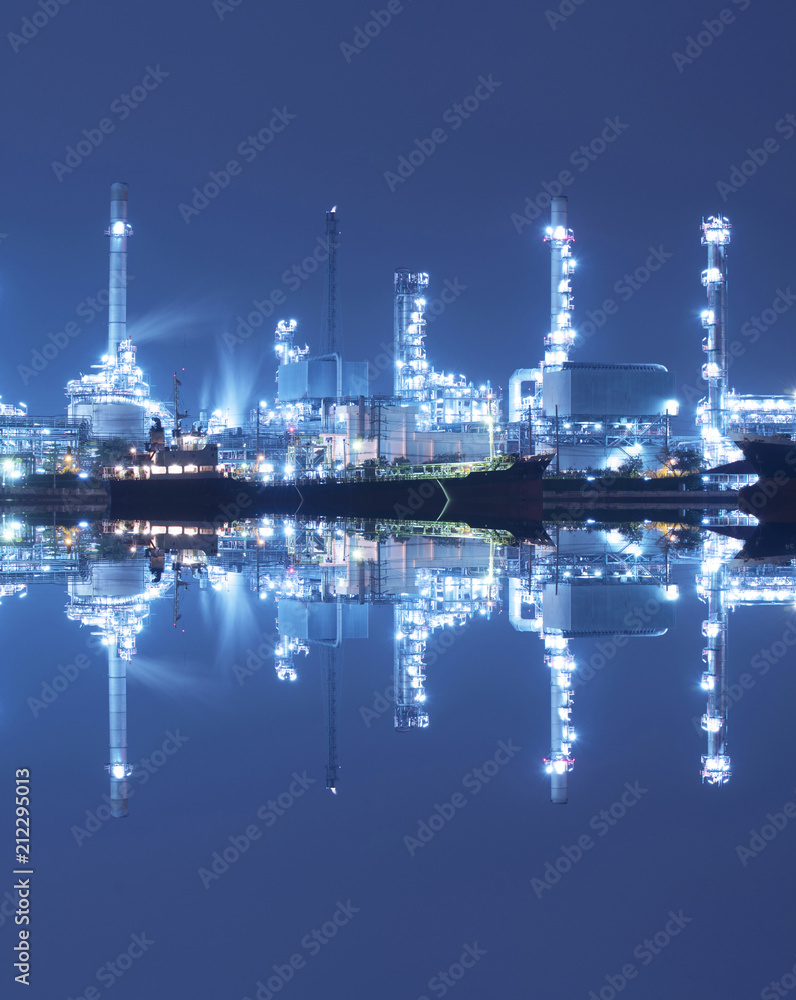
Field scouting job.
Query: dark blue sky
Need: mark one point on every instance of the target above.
(683, 126)
(452, 217)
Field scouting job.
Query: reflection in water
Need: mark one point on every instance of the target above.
(114, 597)
(606, 585)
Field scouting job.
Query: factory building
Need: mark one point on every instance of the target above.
(603, 414)
(593, 415)
(609, 587)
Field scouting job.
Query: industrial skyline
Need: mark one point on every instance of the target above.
(259, 142)
(483, 236)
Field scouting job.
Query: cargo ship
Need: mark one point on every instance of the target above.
(508, 489)
(773, 497)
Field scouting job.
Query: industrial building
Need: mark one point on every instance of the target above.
(325, 419)
(115, 399)
(593, 415)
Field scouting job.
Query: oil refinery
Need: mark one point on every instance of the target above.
(325, 420)
(589, 592)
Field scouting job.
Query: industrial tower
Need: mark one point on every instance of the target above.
(561, 337)
(116, 399)
(411, 375)
(331, 681)
(712, 589)
(118, 231)
(331, 325)
(716, 237)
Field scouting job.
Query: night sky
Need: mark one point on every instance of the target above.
(349, 113)
(683, 116)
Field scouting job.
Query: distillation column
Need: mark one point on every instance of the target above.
(716, 763)
(409, 333)
(560, 761)
(409, 670)
(118, 231)
(561, 337)
(716, 237)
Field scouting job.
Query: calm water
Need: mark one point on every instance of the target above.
(335, 740)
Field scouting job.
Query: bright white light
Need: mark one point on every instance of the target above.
(672, 407)
(117, 229)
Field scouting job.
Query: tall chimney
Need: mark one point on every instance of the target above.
(118, 231)
(561, 336)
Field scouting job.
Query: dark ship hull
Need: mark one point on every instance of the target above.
(773, 497)
(513, 493)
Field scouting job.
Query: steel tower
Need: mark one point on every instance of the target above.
(561, 337)
(560, 761)
(118, 231)
(331, 326)
(331, 680)
(716, 237)
(411, 375)
(712, 588)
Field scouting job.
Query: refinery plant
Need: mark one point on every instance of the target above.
(325, 420)
(586, 593)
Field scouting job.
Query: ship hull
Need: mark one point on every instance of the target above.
(510, 494)
(773, 497)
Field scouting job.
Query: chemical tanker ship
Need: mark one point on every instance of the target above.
(507, 489)
(773, 497)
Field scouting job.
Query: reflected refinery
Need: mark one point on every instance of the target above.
(599, 589)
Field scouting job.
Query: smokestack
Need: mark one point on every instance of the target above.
(118, 231)
(331, 329)
(561, 336)
(118, 768)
